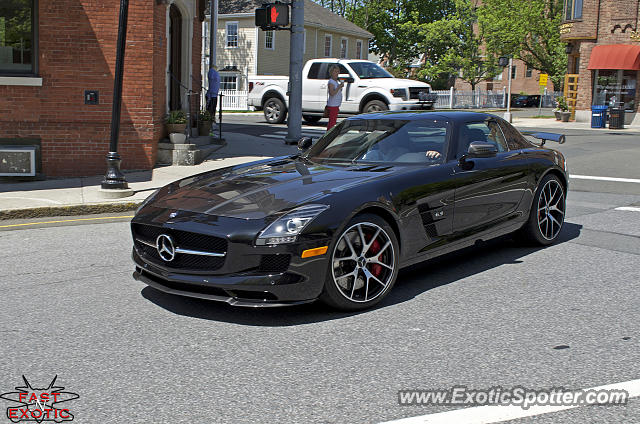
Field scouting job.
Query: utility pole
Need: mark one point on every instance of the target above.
(213, 31)
(507, 115)
(294, 117)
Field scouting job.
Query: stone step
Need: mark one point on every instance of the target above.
(185, 154)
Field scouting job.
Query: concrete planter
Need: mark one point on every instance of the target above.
(204, 127)
(565, 116)
(558, 114)
(177, 138)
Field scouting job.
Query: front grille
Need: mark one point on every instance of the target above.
(414, 92)
(184, 240)
(274, 263)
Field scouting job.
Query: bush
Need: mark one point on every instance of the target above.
(562, 104)
(176, 117)
(205, 115)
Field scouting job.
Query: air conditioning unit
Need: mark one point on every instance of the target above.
(17, 161)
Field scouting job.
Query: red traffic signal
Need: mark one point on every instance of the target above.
(272, 15)
(278, 14)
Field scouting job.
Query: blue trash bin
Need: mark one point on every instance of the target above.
(599, 116)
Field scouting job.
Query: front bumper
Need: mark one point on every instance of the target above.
(241, 278)
(395, 107)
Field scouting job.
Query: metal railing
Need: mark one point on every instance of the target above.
(452, 99)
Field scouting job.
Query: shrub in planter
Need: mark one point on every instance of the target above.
(204, 122)
(176, 121)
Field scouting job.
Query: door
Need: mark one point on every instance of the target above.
(488, 190)
(175, 58)
(314, 89)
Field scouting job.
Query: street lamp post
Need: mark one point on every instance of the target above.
(114, 181)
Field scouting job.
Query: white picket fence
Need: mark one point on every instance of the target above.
(231, 99)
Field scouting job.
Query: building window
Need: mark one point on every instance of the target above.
(232, 34)
(344, 48)
(513, 72)
(18, 37)
(269, 40)
(576, 64)
(327, 45)
(228, 82)
(615, 88)
(358, 49)
(572, 9)
(529, 72)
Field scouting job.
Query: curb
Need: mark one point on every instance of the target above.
(72, 210)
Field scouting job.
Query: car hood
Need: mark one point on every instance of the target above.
(266, 188)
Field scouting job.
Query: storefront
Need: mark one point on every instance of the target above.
(615, 75)
(603, 47)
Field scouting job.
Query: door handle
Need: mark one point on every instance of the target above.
(323, 86)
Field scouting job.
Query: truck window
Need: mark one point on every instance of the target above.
(314, 70)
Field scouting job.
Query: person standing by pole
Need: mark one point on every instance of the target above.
(212, 92)
(334, 100)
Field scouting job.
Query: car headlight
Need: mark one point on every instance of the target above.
(147, 200)
(286, 228)
(399, 92)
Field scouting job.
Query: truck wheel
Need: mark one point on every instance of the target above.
(274, 111)
(312, 119)
(375, 106)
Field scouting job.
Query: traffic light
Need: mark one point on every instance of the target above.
(272, 15)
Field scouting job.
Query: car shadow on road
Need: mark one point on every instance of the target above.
(411, 282)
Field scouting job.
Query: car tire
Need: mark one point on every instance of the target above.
(375, 106)
(312, 119)
(361, 273)
(274, 111)
(546, 217)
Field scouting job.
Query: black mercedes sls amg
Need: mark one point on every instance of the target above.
(338, 220)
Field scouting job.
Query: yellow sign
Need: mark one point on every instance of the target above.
(565, 28)
(543, 80)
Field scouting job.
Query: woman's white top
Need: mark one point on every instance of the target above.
(335, 100)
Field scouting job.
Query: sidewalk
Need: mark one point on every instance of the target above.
(80, 196)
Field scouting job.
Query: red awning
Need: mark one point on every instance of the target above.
(615, 56)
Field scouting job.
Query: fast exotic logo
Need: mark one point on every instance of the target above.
(39, 405)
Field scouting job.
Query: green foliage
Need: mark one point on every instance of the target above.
(527, 30)
(562, 103)
(204, 115)
(454, 46)
(176, 117)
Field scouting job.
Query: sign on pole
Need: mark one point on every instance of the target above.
(543, 80)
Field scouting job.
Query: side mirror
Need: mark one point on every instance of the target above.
(346, 78)
(481, 149)
(304, 143)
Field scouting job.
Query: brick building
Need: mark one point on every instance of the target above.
(604, 51)
(53, 51)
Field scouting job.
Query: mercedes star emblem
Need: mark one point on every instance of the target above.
(166, 249)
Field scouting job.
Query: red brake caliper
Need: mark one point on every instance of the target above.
(376, 269)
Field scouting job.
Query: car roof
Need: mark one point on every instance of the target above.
(451, 115)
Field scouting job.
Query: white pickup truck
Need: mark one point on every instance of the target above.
(368, 88)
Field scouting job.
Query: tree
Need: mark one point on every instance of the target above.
(454, 45)
(526, 30)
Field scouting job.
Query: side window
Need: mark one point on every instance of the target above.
(486, 131)
(314, 70)
(515, 140)
(323, 73)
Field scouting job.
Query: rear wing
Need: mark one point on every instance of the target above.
(544, 136)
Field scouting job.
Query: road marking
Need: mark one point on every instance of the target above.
(66, 220)
(618, 180)
(628, 208)
(499, 413)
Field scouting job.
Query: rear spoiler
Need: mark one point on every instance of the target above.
(544, 136)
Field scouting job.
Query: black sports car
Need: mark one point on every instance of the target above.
(336, 222)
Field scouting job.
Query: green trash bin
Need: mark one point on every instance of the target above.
(616, 118)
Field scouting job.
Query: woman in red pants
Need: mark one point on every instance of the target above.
(334, 99)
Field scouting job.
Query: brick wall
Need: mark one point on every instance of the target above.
(77, 49)
(614, 22)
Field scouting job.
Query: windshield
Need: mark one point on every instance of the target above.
(366, 70)
(383, 140)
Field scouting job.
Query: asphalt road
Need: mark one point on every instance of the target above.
(496, 314)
